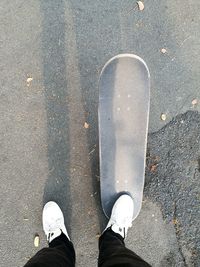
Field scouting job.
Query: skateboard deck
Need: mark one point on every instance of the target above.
(124, 98)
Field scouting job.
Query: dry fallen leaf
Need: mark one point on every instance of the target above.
(140, 5)
(194, 102)
(163, 117)
(36, 241)
(175, 221)
(86, 125)
(163, 50)
(153, 167)
(29, 79)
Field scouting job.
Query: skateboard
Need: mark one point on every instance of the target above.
(124, 99)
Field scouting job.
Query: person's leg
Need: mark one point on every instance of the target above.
(61, 251)
(112, 250)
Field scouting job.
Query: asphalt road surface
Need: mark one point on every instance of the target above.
(51, 56)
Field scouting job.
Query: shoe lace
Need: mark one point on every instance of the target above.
(55, 225)
(49, 236)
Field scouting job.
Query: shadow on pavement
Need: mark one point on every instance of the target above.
(57, 187)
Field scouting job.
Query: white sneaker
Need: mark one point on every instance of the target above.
(122, 215)
(53, 221)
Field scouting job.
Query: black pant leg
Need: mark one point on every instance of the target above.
(59, 254)
(113, 253)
